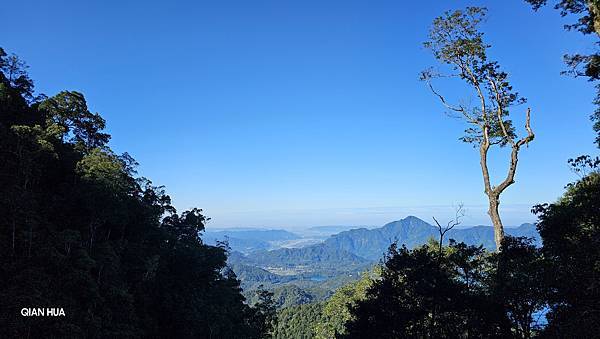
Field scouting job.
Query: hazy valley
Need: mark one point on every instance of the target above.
(305, 265)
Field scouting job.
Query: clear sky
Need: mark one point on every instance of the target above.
(296, 113)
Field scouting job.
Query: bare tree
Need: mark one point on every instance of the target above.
(456, 41)
(459, 214)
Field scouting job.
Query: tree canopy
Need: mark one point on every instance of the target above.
(82, 232)
(570, 229)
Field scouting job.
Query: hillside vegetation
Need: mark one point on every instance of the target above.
(81, 231)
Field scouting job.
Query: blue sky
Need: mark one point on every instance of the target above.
(297, 113)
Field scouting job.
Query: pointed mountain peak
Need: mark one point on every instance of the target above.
(413, 219)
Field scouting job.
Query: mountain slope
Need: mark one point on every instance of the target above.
(372, 244)
(484, 235)
(318, 269)
(316, 256)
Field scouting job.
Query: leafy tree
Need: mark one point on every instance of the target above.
(68, 114)
(423, 294)
(519, 284)
(79, 230)
(288, 295)
(14, 77)
(297, 322)
(570, 229)
(456, 41)
(336, 311)
(265, 313)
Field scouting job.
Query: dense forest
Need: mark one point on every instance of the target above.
(460, 290)
(81, 231)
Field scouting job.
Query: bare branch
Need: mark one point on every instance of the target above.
(438, 224)
(530, 134)
(443, 100)
(459, 109)
(459, 214)
(514, 156)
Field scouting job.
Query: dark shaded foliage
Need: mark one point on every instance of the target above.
(425, 293)
(79, 231)
(570, 229)
(518, 283)
(461, 291)
(298, 321)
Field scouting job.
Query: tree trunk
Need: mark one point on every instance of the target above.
(496, 222)
(493, 192)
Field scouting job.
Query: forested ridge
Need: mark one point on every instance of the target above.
(82, 232)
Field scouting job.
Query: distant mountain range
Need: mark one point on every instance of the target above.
(350, 248)
(340, 257)
(360, 245)
(412, 231)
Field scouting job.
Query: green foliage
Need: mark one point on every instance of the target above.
(315, 269)
(586, 9)
(455, 40)
(316, 256)
(264, 315)
(79, 231)
(518, 282)
(308, 318)
(297, 322)
(465, 291)
(14, 80)
(103, 168)
(421, 294)
(67, 112)
(460, 291)
(570, 229)
(336, 312)
(289, 295)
